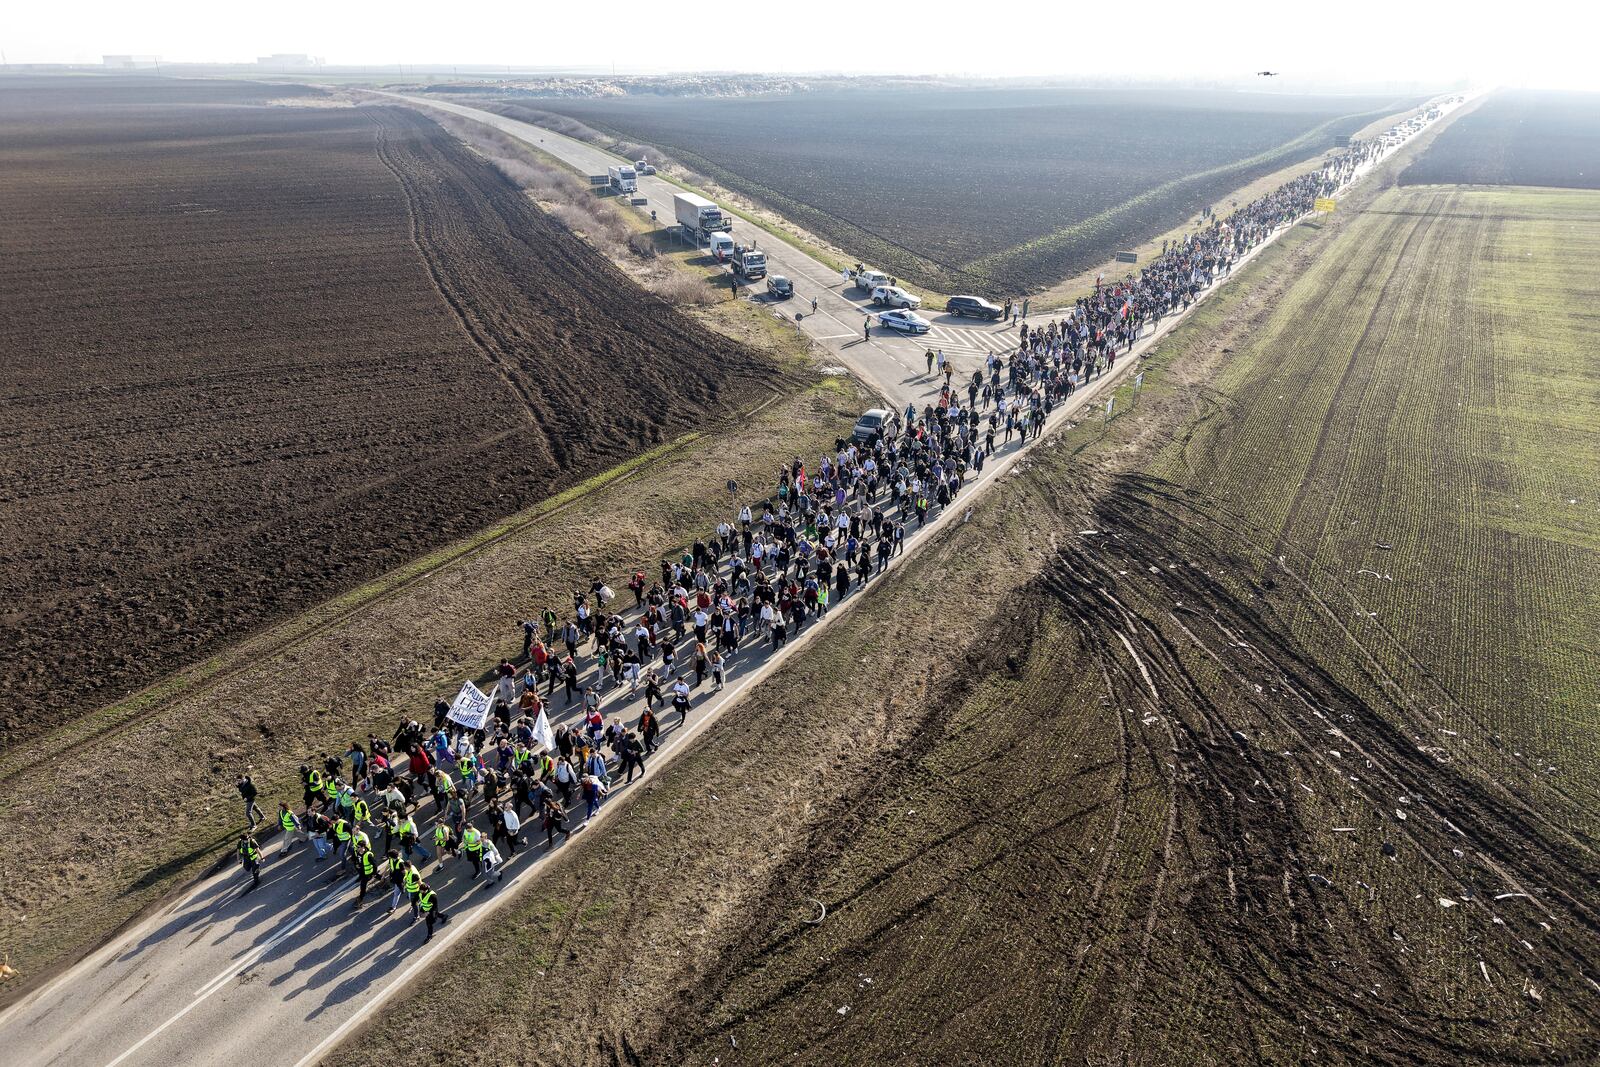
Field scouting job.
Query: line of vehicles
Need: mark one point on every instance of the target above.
(704, 223)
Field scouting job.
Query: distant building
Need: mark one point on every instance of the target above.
(131, 62)
(282, 60)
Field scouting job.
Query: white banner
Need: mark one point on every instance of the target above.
(470, 707)
(542, 732)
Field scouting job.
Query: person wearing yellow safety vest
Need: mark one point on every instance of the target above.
(290, 825)
(341, 835)
(443, 788)
(472, 848)
(411, 883)
(394, 868)
(361, 811)
(366, 867)
(312, 779)
(410, 840)
(250, 858)
(428, 904)
(444, 839)
(358, 838)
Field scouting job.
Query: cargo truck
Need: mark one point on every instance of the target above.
(749, 264)
(624, 179)
(699, 217)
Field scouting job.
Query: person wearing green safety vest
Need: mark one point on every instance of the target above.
(395, 868)
(472, 848)
(341, 833)
(444, 839)
(362, 812)
(410, 840)
(443, 787)
(312, 779)
(428, 904)
(250, 858)
(366, 867)
(290, 824)
(411, 882)
(359, 839)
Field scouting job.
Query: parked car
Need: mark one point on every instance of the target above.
(869, 279)
(869, 424)
(905, 320)
(895, 297)
(976, 306)
(779, 286)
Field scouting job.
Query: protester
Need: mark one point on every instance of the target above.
(733, 598)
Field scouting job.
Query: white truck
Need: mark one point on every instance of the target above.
(623, 178)
(699, 217)
(749, 264)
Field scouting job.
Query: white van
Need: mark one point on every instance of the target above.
(721, 246)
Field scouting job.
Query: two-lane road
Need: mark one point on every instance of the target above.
(894, 363)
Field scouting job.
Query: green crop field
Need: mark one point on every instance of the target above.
(1431, 386)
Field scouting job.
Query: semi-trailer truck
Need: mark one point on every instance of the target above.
(699, 217)
(624, 179)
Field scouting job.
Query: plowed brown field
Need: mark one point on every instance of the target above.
(255, 354)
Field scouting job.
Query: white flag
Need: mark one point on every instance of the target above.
(470, 707)
(542, 732)
(1110, 402)
(1138, 380)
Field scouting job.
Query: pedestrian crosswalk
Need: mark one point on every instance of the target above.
(970, 341)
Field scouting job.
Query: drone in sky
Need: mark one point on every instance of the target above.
(1266, 74)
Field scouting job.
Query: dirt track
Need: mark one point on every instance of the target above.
(240, 335)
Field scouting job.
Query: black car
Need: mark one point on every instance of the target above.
(780, 287)
(976, 306)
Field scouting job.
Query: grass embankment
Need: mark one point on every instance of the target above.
(102, 824)
(1069, 795)
(1069, 289)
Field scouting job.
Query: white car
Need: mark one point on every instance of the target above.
(905, 320)
(895, 297)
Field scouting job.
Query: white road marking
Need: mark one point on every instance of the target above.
(252, 958)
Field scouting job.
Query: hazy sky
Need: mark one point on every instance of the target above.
(1534, 44)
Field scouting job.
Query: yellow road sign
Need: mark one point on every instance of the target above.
(1326, 203)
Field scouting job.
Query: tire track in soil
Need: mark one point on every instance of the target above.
(503, 368)
(1509, 838)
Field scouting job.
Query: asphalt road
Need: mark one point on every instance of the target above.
(892, 362)
(279, 975)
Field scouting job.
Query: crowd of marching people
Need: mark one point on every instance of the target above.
(614, 672)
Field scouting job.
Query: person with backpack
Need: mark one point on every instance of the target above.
(555, 819)
(594, 793)
(248, 792)
(250, 858)
(632, 755)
